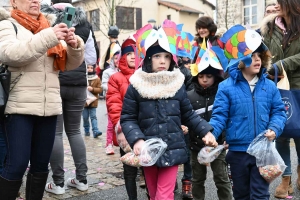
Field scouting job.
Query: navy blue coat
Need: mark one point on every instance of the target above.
(144, 118)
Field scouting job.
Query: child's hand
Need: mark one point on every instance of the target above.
(185, 129)
(90, 88)
(210, 140)
(226, 146)
(271, 135)
(138, 147)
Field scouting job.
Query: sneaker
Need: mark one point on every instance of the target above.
(55, 189)
(109, 150)
(73, 182)
(87, 134)
(96, 134)
(187, 190)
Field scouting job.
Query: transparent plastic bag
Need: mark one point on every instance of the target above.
(130, 159)
(209, 154)
(268, 160)
(90, 97)
(123, 145)
(151, 151)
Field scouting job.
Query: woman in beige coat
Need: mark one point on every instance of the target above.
(35, 56)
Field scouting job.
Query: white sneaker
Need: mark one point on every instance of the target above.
(73, 182)
(109, 150)
(55, 189)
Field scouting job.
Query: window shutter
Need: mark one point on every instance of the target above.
(138, 19)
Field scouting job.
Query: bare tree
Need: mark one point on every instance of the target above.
(107, 12)
(227, 13)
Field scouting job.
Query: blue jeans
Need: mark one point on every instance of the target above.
(247, 181)
(2, 148)
(283, 148)
(29, 138)
(90, 113)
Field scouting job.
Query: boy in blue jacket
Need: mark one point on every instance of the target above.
(246, 104)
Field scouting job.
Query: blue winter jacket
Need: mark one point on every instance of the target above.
(155, 107)
(244, 115)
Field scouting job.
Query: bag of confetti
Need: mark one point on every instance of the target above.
(130, 159)
(268, 160)
(151, 151)
(208, 154)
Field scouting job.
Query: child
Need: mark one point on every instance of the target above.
(154, 106)
(117, 86)
(206, 81)
(89, 111)
(113, 68)
(246, 104)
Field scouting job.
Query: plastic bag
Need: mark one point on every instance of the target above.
(268, 160)
(209, 154)
(90, 97)
(124, 146)
(131, 159)
(151, 151)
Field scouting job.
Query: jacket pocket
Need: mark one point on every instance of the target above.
(264, 121)
(237, 131)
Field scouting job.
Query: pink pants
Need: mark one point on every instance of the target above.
(109, 132)
(161, 182)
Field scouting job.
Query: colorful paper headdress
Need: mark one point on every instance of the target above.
(169, 36)
(209, 56)
(240, 43)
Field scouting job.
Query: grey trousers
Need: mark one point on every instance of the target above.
(220, 176)
(73, 100)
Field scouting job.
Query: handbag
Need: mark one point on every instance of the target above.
(5, 78)
(291, 100)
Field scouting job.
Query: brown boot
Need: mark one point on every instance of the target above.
(298, 179)
(187, 190)
(285, 188)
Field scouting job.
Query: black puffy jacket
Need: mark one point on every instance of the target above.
(202, 101)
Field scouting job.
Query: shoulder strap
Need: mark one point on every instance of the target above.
(15, 27)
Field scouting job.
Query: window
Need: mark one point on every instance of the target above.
(169, 17)
(125, 18)
(250, 12)
(95, 19)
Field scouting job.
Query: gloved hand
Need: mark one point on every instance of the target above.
(271, 71)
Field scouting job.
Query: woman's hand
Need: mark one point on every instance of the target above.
(138, 147)
(60, 30)
(210, 140)
(122, 140)
(71, 38)
(271, 135)
(90, 88)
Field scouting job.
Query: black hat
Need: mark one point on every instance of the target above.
(154, 49)
(210, 70)
(113, 31)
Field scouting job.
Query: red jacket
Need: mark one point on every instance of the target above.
(117, 87)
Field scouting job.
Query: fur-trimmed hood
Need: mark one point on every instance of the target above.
(264, 28)
(5, 15)
(161, 85)
(79, 18)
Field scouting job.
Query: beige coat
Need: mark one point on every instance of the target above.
(37, 91)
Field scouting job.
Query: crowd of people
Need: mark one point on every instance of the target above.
(203, 95)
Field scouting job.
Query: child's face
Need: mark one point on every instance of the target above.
(131, 59)
(206, 80)
(115, 58)
(90, 68)
(203, 32)
(161, 61)
(255, 66)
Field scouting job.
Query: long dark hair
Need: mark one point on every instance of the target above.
(147, 65)
(291, 15)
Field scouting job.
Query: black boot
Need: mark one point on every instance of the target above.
(9, 189)
(35, 185)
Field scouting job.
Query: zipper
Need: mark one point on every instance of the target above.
(206, 107)
(45, 89)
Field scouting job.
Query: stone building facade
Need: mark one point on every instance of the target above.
(244, 12)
